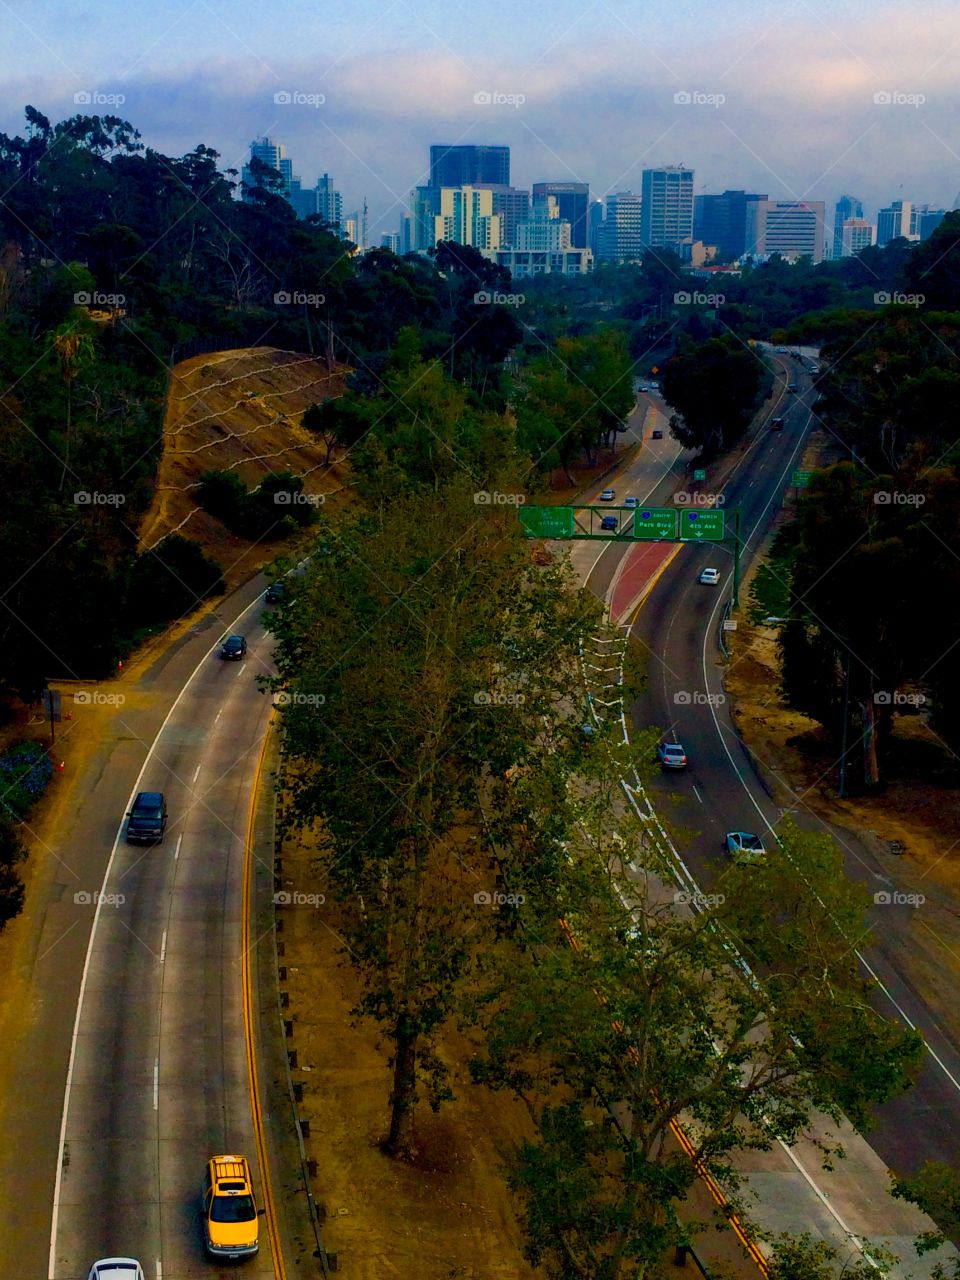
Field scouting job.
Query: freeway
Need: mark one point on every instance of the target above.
(723, 790)
(146, 1023)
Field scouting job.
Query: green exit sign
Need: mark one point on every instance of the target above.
(655, 522)
(700, 474)
(547, 522)
(701, 526)
(801, 479)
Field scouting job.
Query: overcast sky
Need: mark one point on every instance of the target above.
(782, 94)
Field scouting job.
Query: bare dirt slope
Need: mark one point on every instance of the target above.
(238, 411)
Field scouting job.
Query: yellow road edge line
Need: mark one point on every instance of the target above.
(273, 1231)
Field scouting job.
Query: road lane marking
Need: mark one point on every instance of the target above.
(196, 773)
(698, 795)
(71, 1061)
(156, 1084)
(218, 715)
(163, 947)
(242, 669)
(246, 981)
(176, 852)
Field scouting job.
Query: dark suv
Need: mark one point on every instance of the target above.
(147, 820)
(234, 647)
(776, 424)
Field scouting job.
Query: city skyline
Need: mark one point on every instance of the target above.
(774, 101)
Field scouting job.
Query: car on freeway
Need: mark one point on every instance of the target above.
(776, 424)
(657, 434)
(234, 648)
(791, 386)
(608, 523)
(608, 495)
(147, 820)
(814, 368)
(744, 846)
(116, 1269)
(781, 351)
(631, 502)
(231, 1219)
(274, 593)
(671, 755)
(709, 576)
(654, 386)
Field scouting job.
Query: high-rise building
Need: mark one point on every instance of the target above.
(791, 228)
(924, 221)
(466, 216)
(666, 214)
(424, 207)
(322, 198)
(545, 229)
(855, 235)
(573, 200)
(511, 205)
(406, 233)
(594, 223)
(894, 222)
(524, 263)
(618, 236)
(467, 166)
(721, 221)
(846, 207)
(328, 202)
(928, 222)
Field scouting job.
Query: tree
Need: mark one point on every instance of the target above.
(715, 388)
(643, 1023)
(400, 709)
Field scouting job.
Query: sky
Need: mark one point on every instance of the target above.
(803, 99)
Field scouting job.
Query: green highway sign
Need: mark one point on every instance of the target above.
(655, 522)
(801, 479)
(547, 522)
(701, 525)
(700, 474)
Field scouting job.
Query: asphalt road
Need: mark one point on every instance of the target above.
(158, 1080)
(721, 790)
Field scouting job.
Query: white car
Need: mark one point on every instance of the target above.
(116, 1269)
(631, 502)
(608, 495)
(744, 846)
(710, 576)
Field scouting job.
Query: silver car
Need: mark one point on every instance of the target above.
(116, 1269)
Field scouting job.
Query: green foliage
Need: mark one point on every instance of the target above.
(171, 580)
(12, 853)
(25, 771)
(716, 388)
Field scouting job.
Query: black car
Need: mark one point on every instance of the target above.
(274, 593)
(147, 820)
(776, 424)
(234, 647)
(791, 386)
(656, 435)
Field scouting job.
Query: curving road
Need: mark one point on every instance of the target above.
(145, 1024)
(722, 791)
